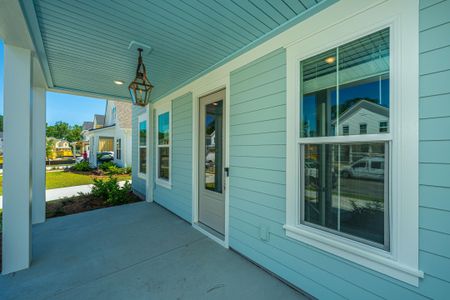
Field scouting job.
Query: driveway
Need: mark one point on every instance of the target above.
(135, 251)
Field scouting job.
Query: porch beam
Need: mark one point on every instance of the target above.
(38, 142)
(17, 162)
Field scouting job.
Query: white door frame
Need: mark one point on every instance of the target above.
(197, 93)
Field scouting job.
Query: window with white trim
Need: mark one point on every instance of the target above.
(142, 145)
(340, 192)
(163, 144)
(335, 181)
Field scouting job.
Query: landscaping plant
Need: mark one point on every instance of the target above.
(82, 166)
(111, 191)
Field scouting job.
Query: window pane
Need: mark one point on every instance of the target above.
(346, 86)
(163, 163)
(319, 94)
(142, 160)
(345, 190)
(163, 129)
(213, 146)
(143, 133)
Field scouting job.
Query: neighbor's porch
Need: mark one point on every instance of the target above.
(135, 251)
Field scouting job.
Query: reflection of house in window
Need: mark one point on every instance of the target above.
(383, 126)
(364, 117)
(345, 130)
(363, 128)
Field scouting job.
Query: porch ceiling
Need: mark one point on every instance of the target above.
(83, 45)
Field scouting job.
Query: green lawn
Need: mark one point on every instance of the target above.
(64, 179)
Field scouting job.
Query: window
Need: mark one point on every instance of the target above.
(383, 127)
(163, 144)
(345, 130)
(348, 83)
(363, 128)
(142, 146)
(119, 149)
(360, 78)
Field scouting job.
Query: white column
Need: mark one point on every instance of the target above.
(17, 164)
(38, 144)
(150, 167)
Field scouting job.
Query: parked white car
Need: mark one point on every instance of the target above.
(367, 168)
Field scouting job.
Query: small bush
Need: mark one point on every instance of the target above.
(106, 165)
(111, 192)
(82, 166)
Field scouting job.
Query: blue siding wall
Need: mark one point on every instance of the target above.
(435, 144)
(138, 183)
(179, 198)
(257, 179)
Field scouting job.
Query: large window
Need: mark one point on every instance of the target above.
(344, 187)
(163, 142)
(352, 171)
(142, 145)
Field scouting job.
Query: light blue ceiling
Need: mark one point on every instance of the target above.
(85, 42)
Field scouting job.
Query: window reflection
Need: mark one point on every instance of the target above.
(345, 87)
(344, 188)
(213, 146)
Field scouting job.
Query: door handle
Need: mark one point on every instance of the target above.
(227, 172)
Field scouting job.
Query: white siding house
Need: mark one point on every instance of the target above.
(111, 135)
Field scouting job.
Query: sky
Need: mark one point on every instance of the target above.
(63, 107)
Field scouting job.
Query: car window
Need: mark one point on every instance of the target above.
(377, 165)
(361, 164)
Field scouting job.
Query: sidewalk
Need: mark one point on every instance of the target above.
(55, 194)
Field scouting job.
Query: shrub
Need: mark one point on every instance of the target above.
(82, 166)
(106, 165)
(111, 192)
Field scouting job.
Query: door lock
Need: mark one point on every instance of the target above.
(227, 172)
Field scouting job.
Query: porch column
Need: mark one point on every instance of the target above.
(38, 155)
(17, 162)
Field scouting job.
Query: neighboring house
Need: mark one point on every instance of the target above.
(61, 148)
(84, 133)
(111, 133)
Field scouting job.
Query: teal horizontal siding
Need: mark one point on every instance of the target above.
(178, 199)
(257, 178)
(138, 184)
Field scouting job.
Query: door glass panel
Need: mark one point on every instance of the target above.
(213, 146)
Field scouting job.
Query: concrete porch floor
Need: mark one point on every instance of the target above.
(135, 251)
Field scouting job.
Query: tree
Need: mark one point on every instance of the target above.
(60, 130)
(74, 133)
(49, 148)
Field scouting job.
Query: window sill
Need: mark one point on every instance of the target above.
(164, 183)
(367, 256)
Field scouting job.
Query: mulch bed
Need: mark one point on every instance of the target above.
(77, 204)
(73, 205)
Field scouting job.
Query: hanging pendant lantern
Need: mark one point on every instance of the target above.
(140, 88)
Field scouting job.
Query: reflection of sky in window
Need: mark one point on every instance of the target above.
(163, 122)
(142, 126)
(369, 90)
